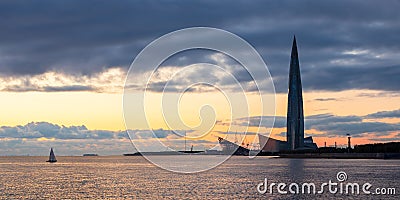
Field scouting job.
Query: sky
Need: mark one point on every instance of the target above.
(63, 65)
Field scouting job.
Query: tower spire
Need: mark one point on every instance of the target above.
(294, 48)
(295, 116)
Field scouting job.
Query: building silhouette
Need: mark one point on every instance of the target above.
(295, 116)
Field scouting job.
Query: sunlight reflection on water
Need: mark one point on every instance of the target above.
(134, 177)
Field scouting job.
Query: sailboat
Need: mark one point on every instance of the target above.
(52, 157)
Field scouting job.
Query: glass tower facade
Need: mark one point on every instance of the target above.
(295, 116)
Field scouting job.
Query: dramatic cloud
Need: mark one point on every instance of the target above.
(264, 121)
(49, 131)
(357, 129)
(239, 134)
(36, 137)
(332, 125)
(342, 45)
(71, 46)
(326, 99)
(110, 80)
(385, 114)
(323, 120)
(65, 147)
(53, 131)
(158, 133)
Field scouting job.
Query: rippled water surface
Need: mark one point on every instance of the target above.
(134, 177)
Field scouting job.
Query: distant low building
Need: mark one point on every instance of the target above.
(90, 154)
(309, 143)
(230, 148)
(272, 145)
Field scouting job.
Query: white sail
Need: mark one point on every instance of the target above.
(52, 157)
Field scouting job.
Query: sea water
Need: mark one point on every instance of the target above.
(116, 177)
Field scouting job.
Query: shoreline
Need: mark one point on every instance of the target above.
(343, 155)
(386, 156)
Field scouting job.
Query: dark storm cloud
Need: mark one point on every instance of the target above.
(385, 114)
(32, 88)
(68, 88)
(85, 37)
(332, 125)
(315, 121)
(157, 133)
(326, 99)
(342, 78)
(189, 57)
(379, 94)
(357, 129)
(382, 139)
(239, 134)
(264, 121)
(342, 44)
(242, 75)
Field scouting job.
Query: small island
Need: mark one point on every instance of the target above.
(90, 154)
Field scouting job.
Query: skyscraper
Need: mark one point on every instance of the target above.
(295, 116)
